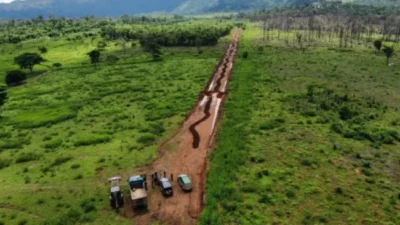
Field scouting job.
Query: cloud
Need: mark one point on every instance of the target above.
(6, 1)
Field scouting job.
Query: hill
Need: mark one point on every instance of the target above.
(77, 8)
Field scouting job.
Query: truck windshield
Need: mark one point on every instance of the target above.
(136, 185)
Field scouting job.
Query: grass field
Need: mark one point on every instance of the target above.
(66, 131)
(307, 138)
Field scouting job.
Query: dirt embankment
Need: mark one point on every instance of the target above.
(187, 152)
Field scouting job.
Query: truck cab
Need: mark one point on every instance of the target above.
(137, 187)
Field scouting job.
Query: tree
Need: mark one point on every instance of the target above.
(388, 52)
(57, 65)
(378, 45)
(94, 57)
(152, 47)
(28, 60)
(15, 76)
(42, 50)
(3, 96)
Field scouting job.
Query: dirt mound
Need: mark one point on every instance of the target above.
(191, 146)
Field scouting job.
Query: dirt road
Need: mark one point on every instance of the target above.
(187, 152)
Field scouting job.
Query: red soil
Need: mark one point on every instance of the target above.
(187, 152)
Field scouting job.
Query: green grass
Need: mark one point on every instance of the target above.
(66, 131)
(279, 159)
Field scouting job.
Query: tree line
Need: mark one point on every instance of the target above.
(16, 31)
(346, 22)
(170, 35)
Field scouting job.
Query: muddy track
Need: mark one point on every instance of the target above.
(224, 67)
(187, 152)
(192, 128)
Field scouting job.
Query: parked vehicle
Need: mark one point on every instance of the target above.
(165, 186)
(137, 186)
(116, 196)
(185, 182)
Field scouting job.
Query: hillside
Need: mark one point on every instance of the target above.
(203, 6)
(76, 8)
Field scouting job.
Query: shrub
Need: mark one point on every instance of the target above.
(23, 222)
(101, 160)
(53, 144)
(27, 180)
(245, 54)
(291, 193)
(15, 77)
(4, 134)
(92, 140)
(4, 163)
(346, 113)
(272, 124)
(157, 128)
(309, 113)
(57, 65)
(42, 49)
(78, 177)
(88, 206)
(75, 166)
(60, 160)
(338, 190)
(306, 162)
(146, 139)
(27, 157)
(11, 144)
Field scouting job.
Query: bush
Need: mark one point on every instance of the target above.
(78, 177)
(291, 193)
(272, 124)
(101, 160)
(245, 55)
(157, 128)
(53, 144)
(75, 166)
(15, 77)
(146, 139)
(60, 160)
(346, 113)
(4, 163)
(92, 140)
(88, 206)
(57, 65)
(309, 113)
(27, 157)
(23, 222)
(338, 190)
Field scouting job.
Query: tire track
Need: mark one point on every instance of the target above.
(224, 67)
(224, 63)
(192, 128)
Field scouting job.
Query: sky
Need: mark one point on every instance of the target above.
(6, 1)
